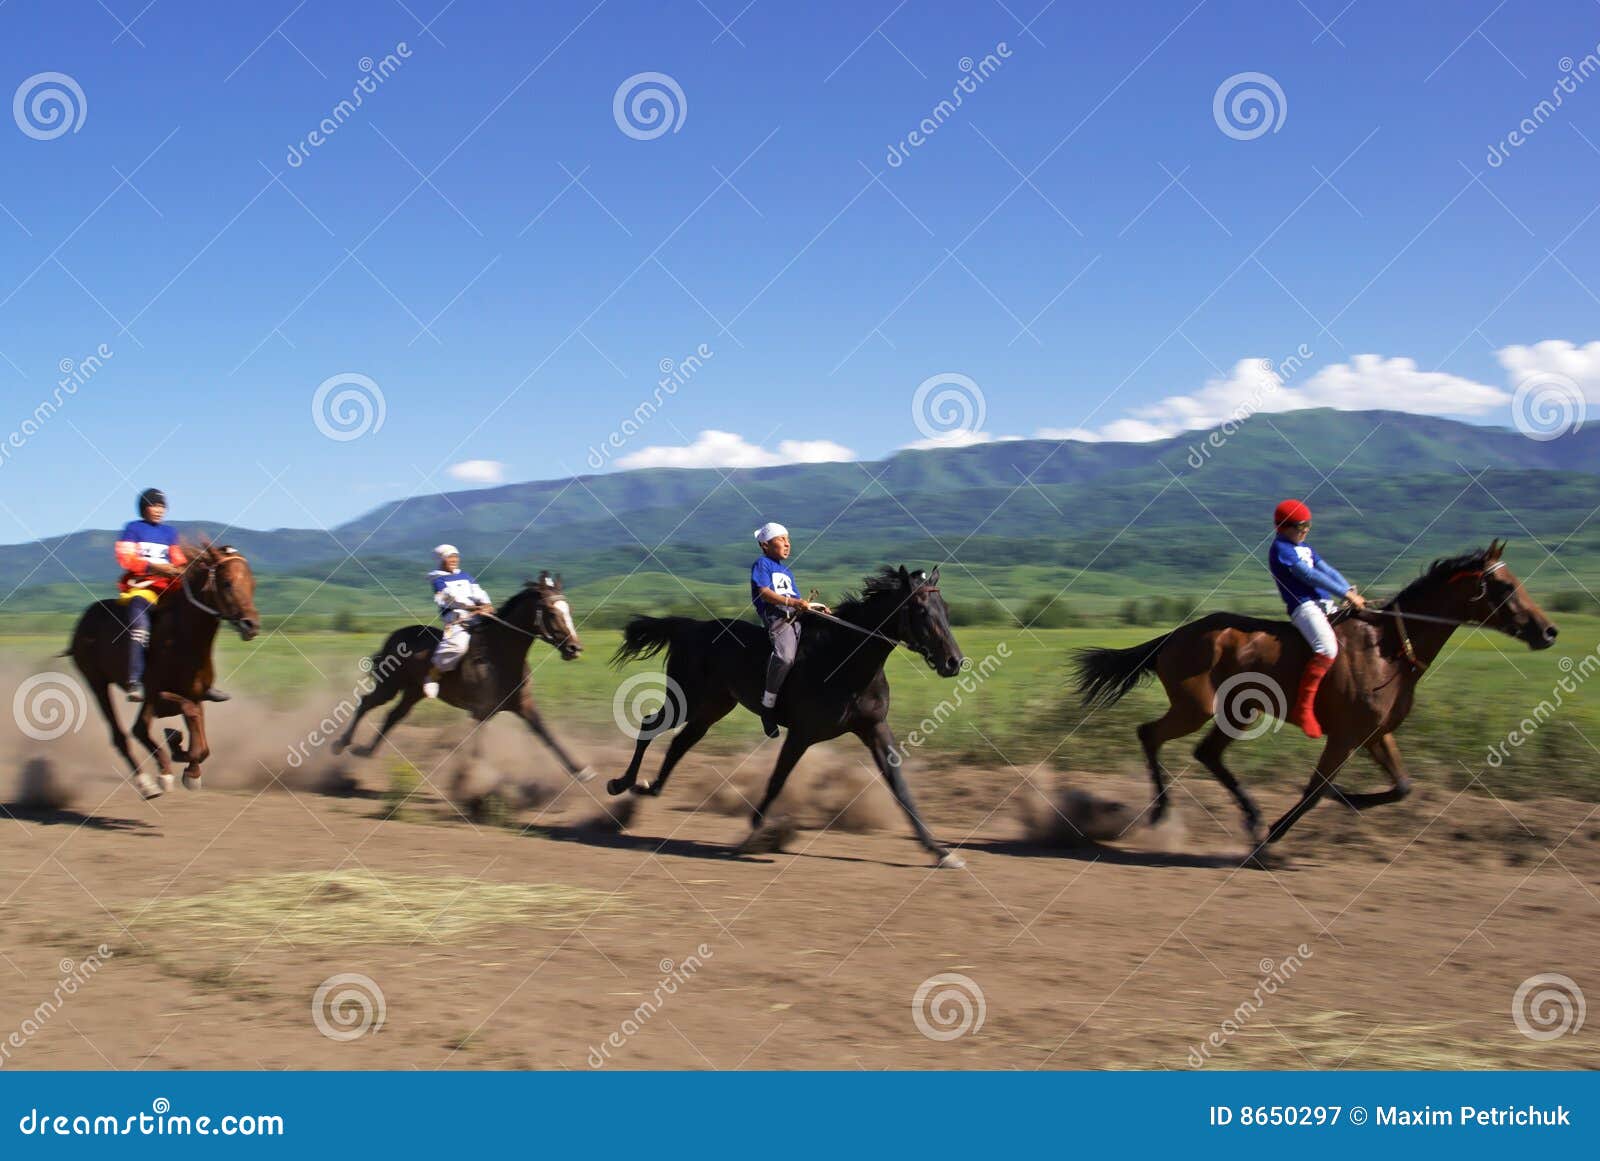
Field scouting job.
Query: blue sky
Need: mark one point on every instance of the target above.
(1081, 239)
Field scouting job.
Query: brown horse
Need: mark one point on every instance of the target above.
(216, 585)
(1229, 669)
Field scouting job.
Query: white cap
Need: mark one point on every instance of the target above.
(445, 550)
(770, 530)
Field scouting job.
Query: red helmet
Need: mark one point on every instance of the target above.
(1291, 512)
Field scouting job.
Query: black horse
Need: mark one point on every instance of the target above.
(837, 683)
(493, 676)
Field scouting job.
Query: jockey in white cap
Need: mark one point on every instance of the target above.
(776, 596)
(460, 598)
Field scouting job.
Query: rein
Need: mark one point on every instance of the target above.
(211, 576)
(1400, 617)
(865, 632)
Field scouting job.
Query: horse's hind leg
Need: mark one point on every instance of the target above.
(1209, 752)
(1328, 763)
(408, 702)
(1175, 723)
(381, 694)
(648, 729)
(147, 785)
(685, 740)
(1386, 753)
(150, 787)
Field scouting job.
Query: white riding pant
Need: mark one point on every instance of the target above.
(453, 646)
(1312, 621)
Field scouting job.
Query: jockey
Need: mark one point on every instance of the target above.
(460, 598)
(1306, 583)
(776, 597)
(152, 560)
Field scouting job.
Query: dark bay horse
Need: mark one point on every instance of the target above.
(216, 585)
(1255, 664)
(493, 676)
(837, 684)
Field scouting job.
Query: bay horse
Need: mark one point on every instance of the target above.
(492, 677)
(215, 586)
(1383, 653)
(837, 684)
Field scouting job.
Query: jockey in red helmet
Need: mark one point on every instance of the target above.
(1307, 583)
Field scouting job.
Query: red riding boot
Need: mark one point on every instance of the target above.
(1305, 701)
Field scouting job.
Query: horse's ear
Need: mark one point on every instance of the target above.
(544, 577)
(933, 577)
(1496, 547)
(558, 580)
(905, 577)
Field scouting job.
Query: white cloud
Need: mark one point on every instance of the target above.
(1367, 382)
(1555, 357)
(478, 471)
(726, 449)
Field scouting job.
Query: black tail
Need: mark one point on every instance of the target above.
(1105, 675)
(644, 637)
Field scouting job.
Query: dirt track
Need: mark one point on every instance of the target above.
(1420, 922)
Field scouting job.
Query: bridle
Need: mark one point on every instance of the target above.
(547, 627)
(211, 570)
(1406, 648)
(865, 632)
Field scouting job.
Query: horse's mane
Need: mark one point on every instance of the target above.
(1442, 570)
(884, 582)
(530, 589)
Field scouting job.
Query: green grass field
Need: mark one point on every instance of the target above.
(1024, 713)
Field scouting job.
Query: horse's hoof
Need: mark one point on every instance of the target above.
(647, 789)
(147, 786)
(616, 786)
(363, 751)
(191, 782)
(587, 774)
(1259, 858)
(167, 781)
(950, 861)
(339, 746)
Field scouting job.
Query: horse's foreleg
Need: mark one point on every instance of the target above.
(880, 740)
(1209, 752)
(408, 702)
(1332, 757)
(529, 713)
(119, 738)
(788, 756)
(198, 749)
(369, 701)
(1175, 723)
(1386, 753)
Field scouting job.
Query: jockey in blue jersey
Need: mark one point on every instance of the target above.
(1308, 584)
(152, 561)
(460, 599)
(776, 596)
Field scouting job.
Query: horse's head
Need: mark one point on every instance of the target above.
(218, 580)
(1492, 596)
(923, 622)
(552, 615)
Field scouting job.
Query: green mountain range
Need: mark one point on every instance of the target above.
(1011, 519)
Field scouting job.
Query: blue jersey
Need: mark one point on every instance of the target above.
(1302, 575)
(767, 573)
(454, 592)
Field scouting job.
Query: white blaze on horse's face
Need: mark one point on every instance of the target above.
(563, 611)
